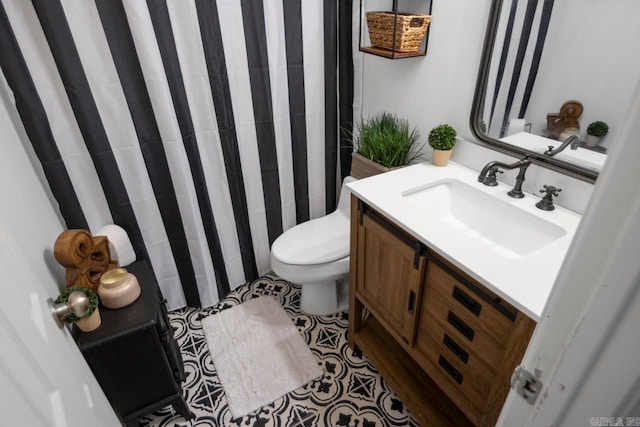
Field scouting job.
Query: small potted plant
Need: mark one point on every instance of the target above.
(91, 320)
(595, 131)
(442, 138)
(382, 143)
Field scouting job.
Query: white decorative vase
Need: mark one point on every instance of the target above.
(90, 323)
(592, 141)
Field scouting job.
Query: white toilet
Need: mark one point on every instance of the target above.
(315, 254)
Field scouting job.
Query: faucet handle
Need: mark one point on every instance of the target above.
(494, 170)
(491, 179)
(550, 190)
(546, 204)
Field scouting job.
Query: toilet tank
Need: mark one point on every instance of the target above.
(345, 196)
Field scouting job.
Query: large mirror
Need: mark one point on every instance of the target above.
(551, 69)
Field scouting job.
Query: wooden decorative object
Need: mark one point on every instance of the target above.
(566, 118)
(84, 256)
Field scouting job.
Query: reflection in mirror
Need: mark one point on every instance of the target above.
(550, 70)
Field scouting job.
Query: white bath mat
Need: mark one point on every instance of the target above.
(258, 353)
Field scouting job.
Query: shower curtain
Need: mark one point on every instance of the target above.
(204, 128)
(517, 52)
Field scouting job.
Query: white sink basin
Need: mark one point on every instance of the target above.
(499, 226)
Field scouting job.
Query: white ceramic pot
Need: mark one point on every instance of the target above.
(90, 323)
(592, 141)
(118, 288)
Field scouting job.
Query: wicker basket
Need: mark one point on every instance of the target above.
(410, 30)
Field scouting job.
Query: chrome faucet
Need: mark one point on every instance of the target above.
(488, 175)
(573, 140)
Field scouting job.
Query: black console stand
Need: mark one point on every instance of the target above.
(134, 356)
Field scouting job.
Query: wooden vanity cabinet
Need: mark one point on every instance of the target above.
(445, 343)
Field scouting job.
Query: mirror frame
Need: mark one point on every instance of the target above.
(566, 168)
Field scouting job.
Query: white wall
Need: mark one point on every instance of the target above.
(593, 59)
(439, 87)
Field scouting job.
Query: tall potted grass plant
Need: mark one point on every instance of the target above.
(382, 143)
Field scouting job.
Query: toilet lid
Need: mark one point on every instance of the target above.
(317, 241)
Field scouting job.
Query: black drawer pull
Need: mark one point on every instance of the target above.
(455, 348)
(457, 376)
(462, 327)
(468, 302)
(412, 301)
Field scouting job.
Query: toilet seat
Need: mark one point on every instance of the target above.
(319, 241)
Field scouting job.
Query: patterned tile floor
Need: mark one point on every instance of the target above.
(351, 392)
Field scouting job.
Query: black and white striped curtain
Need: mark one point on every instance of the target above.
(204, 128)
(514, 65)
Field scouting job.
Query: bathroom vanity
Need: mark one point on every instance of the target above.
(451, 300)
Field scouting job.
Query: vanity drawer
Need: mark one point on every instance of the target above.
(453, 377)
(434, 341)
(462, 326)
(471, 301)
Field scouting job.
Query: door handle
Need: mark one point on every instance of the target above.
(77, 304)
(462, 327)
(455, 348)
(412, 302)
(469, 303)
(448, 367)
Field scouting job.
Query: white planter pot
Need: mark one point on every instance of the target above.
(592, 141)
(88, 324)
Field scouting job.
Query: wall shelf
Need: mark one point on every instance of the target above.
(386, 53)
(390, 53)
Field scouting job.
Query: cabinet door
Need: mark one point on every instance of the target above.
(390, 268)
(134, 371)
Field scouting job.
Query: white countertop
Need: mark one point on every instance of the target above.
(524, 281)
